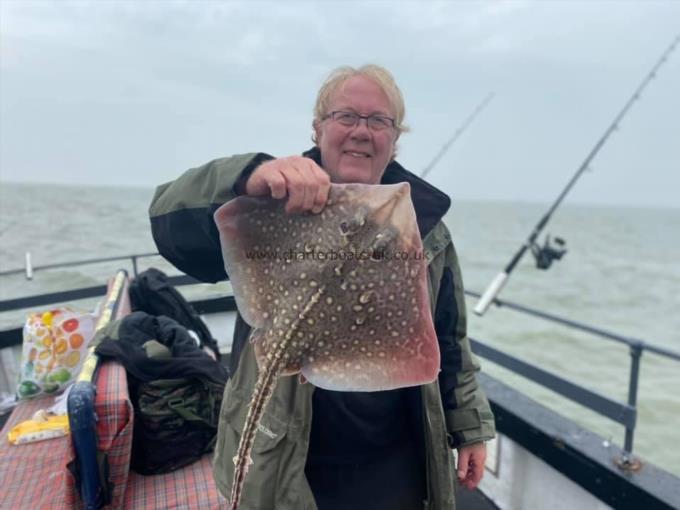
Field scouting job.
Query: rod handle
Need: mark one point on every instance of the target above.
(491, 292)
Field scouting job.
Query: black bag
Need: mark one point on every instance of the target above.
(175, 388)
(150, 292)
(175, 423)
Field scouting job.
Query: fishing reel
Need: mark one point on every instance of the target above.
(548, 253)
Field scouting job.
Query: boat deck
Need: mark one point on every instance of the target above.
(473, 500)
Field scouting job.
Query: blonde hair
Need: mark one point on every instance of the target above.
(379, 75)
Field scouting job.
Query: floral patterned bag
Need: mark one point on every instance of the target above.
(54, 348)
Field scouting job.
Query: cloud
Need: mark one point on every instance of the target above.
(156, 87)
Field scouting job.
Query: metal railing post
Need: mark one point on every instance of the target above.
(627, 461)
(635, 355)
(28, 266)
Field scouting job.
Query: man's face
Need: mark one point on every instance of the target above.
(359, 153)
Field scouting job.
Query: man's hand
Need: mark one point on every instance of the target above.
(304, 182)
(470, 467)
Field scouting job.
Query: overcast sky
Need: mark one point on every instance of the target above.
(134, 93)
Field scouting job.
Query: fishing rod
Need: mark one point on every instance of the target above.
(497, 283)
(461, 129)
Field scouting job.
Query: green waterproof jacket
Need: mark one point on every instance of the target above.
(454, 409)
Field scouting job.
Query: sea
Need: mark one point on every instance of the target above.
(621, 273)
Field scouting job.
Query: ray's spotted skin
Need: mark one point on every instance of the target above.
(340, 297)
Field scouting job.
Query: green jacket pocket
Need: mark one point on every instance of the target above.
(261, 482)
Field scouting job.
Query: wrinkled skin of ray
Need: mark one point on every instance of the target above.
(340, 296)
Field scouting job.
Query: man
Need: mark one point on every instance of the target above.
(385, 450)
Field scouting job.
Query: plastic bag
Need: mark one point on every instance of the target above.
(55, 346)
(42, 426)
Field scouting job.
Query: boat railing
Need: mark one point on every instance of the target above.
(623, 413)
(29, 269)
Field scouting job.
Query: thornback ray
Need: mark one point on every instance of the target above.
(340, 296)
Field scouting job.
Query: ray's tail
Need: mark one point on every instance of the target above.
(274, 364)
(264, 388)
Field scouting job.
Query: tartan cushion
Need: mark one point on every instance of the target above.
(115, 418)
(190, 488)
(34, 475)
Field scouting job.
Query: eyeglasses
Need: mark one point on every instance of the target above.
(351, 119)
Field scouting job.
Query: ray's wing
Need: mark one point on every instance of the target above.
(349, 284)
(249, 229)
